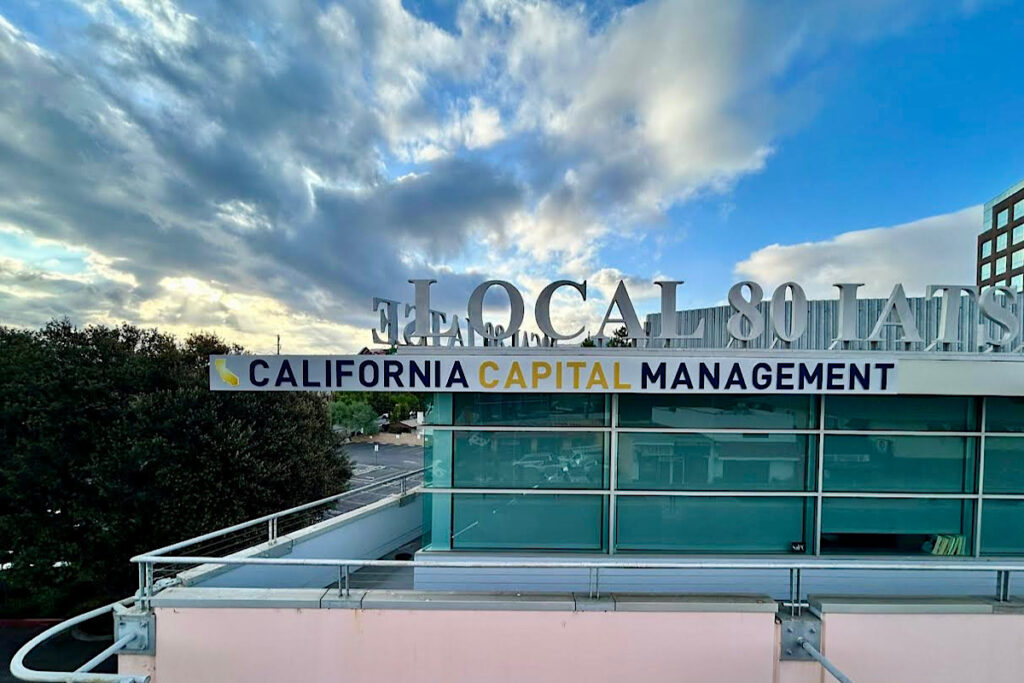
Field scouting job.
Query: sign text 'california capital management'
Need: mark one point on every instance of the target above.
(554, 373)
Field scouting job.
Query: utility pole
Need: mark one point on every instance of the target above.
(279, 345)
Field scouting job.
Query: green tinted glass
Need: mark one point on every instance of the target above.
(1004, 465)
(722, 461)
(438, 409)
(566, 460)
(1004, 414)
(893, 525)
(716, 412)
(733, 525)
(911, 413)
(937, 464)
(1002, 527)
(528, 522)
(437, 458)
(532, 410)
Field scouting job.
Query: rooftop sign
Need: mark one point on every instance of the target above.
(554, 373)
(998, 321)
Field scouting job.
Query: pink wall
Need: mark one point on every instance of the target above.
(984, 648)
(195, 645)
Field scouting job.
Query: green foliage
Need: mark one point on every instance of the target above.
(588, 343)
(111, 443)
(354, 414)
(620, 338)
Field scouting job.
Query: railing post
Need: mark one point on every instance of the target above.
(404, 484)
(348, 593)
(597, 582)
(1002, 586)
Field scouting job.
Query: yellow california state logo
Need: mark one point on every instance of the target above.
(226, 375)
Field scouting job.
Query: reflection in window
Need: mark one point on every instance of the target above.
(1018, 210)
(1002, 218)
(731, 525)
(917, 413)
(716, 411)
(528, 522)
(1018, 259)
(1004, 465)
(986, 248)
(901, 526)
(935, 464)
(1000, 265)
(531, 410)
(1004, 414)
(1001, 242)
(718, 461)
(1018, 234)
(1018, 282)
(571, 460)
(986, 271)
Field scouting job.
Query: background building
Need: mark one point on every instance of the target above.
(1001, 242)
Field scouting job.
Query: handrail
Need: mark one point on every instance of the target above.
(277, 515)
(824, 661)
(83, 674)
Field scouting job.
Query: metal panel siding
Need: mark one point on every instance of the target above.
(822, 323)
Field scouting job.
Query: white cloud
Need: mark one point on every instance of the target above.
(936, 250)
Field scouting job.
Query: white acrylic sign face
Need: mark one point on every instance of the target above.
(556, 373)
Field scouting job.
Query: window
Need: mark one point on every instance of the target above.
(915, 413)
(1001, 242)
(986, 271)
(901, 526)
(1018, 210)
(1018, 282)
(528, 522)
(1018, 259)
(1018, 233)
(1002, 527)
(519, 460)
(986, 248)
(714, 524)
(1004, 465)
(1000, 265)
(716, 412)
(531, 410)
(1002, 218)
(901, 464)
(1004, 414)
(778, 462)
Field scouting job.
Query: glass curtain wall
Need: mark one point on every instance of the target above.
(714, 474)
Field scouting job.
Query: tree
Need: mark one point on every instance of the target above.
(353, 413)
(620, 338)
(111, 443)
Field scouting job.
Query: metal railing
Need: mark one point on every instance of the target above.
(1000, 569)
(84, 673)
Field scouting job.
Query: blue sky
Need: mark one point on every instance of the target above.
(259, 168)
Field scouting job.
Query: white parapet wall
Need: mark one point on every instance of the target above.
(367, 533)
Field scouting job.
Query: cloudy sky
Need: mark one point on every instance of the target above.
(257, 167)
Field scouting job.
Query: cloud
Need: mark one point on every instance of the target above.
(936, 250)
(303, 157)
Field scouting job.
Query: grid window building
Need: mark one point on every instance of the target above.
(712, 474)
(1001, 237)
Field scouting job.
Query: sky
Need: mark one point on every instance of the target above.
(256, 167)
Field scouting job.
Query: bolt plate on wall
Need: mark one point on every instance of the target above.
(143, 624)
(793, 630)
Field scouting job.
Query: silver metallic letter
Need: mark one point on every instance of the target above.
(1002, 315)
(897, 302)
(745, 309)
(798, 322)
(475, 312)
(388, 321)
(669, 314)
(621, 299)
(542, 310)
(949, 318)
(848, 306)
(422, 328)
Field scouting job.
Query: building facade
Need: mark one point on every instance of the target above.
(734, 474)
(1001, 242)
